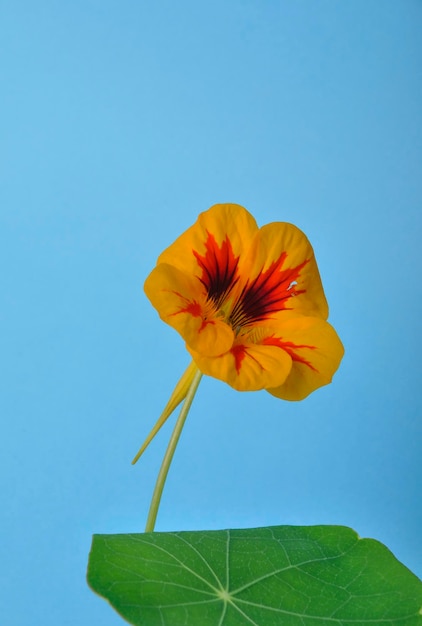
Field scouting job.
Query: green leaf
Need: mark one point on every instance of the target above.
(280, 575)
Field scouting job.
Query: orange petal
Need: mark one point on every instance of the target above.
(302, 355)
(316, 352)
(283, 275)
(210, 249)
(181, 302)
(247, 366)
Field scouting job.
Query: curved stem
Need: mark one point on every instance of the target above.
(178, 395)
(165, 465)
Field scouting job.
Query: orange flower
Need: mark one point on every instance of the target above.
(249, 304)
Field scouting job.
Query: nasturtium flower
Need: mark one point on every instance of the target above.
(250, 306)
(249, 303)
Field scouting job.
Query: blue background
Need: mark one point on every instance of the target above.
(121, 121)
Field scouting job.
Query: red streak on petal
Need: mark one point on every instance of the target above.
(290, 347)
(194, 309)
(239, 353)
(191, 306)
(268, 293)
(219, 268)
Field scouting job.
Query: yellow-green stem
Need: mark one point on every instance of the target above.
(165, 465)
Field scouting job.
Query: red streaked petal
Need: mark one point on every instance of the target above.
(302, 354)
(297, 351)
(181, 302)
(247, 366)
(283, 275)
(214, 243)
(316, 352)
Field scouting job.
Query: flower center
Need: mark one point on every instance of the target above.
(260, 298)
